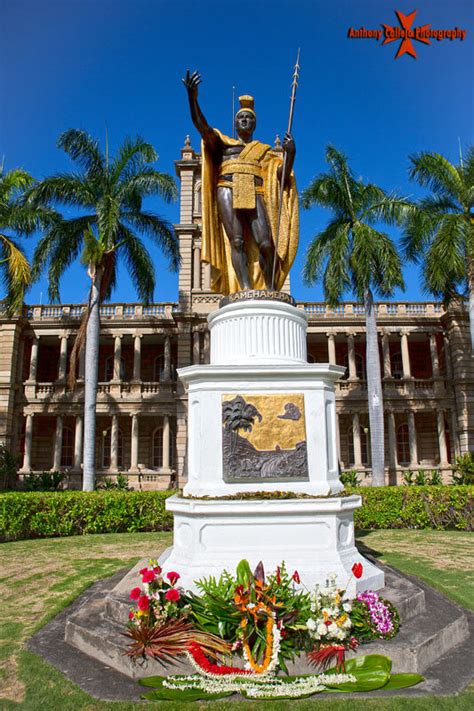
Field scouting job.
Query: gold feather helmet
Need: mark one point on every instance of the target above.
(246, 104)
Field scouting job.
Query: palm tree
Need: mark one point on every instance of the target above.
(440, 232)
(16, 216)
(111, 193)
(352, 254)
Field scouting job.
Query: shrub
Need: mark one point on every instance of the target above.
(423, 478)
(464, 471)
(438, 507)
(120, 483)
(46, 481)
(8, 465)
(350, 478)
(71, 513)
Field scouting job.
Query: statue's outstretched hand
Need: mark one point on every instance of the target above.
(191, 81)
(289, 144)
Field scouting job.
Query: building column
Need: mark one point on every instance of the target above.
(196, 347)
(167, 359)
(443, 450)
(28, 444)
(117, 357)
(356, 439)
(78, 446)
(207, 347)
(134, 444)
(166, 442)
(62, 359)
(447, 357)
(137, 358)
(392, 441)
(33, 361)
(196, 267)
(405, 355)
(207, 277)
(454, 434)
(338, 442)
(351, 357)
(58, 444)
(82, 363)
(387, 363)
(412, 439)
(331, 349)
(434, 355)
(114, 444)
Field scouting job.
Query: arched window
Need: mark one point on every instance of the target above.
(106, 449)
(157, 454)
(397, 366)
(109, 369)
(403, 444)
(360, 366)
(67, 447)
(364, 446)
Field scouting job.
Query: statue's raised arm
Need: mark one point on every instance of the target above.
(191, 81)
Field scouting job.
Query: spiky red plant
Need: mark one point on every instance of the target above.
(170, 640)
(325, 655)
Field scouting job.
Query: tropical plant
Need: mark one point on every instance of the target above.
(350, 478)
(439, 233)
(21, 218)
(352, 254)
(464, 470)
(111, 193)
(239, 415)
(45, 481)
(8, 467)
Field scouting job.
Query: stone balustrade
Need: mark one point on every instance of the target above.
(65, 312)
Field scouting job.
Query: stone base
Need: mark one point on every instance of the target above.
(313, 536)
(432, 627)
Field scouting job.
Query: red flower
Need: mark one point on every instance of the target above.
(143, 570)
(296, 577)
(131, 615)
(143, 603)
(173, 577)
(148, 576)
(135, 593)
(172, 595)
(357, 569)
(278, 575)
(201, 659)
(157, 570)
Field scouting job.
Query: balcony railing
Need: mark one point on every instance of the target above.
(351, 309)
(68, 312)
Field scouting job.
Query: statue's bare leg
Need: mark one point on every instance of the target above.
(234, 228)
(262, 234)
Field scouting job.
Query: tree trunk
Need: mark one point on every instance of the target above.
(374, 391)
(90, 391)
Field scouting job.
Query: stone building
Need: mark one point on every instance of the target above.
(427, 366)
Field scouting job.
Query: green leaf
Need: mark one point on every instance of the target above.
(403, 681)
(155, 682)
(371, 671)
(244, 573)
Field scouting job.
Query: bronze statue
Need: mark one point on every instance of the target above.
(241, 181)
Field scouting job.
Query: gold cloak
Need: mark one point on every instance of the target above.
(215, 249)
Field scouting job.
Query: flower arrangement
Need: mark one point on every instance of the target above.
(240, 629)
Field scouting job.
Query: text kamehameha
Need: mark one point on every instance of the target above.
(417, 33)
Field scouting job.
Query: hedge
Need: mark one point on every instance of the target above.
(70, 513)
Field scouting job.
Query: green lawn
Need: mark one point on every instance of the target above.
(40, 577)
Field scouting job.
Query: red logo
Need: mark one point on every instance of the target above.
(407, 34)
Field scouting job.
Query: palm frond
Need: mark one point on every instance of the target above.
(337, 276)
(68, 234)
(132, 153)
(139, 264)
(157, 229)
(16, 274)
(64, 189)
(12, 182)
(146, 181)
(318, 252)
(434, 171)
(83, 149)
(445, 262)
(391, 209)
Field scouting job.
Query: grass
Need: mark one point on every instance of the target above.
(40, 577)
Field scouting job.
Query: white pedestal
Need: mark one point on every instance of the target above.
(258, 354)
(313, 536)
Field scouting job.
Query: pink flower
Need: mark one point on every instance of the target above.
(143, 603)
(143, 570)
(135, 593)
(296, 577)
(157, 570)
(172, 595)
(173, 577)
(148, 576)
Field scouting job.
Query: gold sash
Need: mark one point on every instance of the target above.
(244, 168)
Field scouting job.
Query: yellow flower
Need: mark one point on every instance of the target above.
(340, 620)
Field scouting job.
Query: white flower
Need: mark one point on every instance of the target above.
(346, 606)
(321, 629)
(311, 624)
(332, 628)
(347, 623)
(341, 634)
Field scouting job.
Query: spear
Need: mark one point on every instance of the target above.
(294, 84)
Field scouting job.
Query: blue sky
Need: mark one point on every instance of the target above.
(118, 63)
